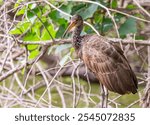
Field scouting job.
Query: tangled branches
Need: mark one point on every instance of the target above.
(50, 79)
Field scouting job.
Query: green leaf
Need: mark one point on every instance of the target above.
(62, 47)
(98, 18)
(17, 3)
(21, 11)
(34, 33)
(66, 8)
(32, 6)
(57, 18)
(114, 4)
(36, 29)
(88, 29)
(15, 31)
(32, 47)
(131, 6)
(129, 26)
(77, 8)
(118, 17)
(46, 35)
(1, 2)
(54, 15)
(34, 12)
(60, 31)
(20, 28)
(88, 11)
(107, 24)
(31, 17)
(31, 36)
(34, 54)
(140, 38)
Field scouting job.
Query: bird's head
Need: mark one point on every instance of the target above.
(76, 21)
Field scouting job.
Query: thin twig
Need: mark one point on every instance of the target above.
(146, 12)
(47, 87)
(20, 67)
(59, 10)
(6, 56)
(46, 81)
(61, 96)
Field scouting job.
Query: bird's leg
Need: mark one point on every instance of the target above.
(104, 96)
(102, 92)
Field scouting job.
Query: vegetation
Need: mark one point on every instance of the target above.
(29, 29)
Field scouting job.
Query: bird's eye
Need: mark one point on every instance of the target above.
(75, 21)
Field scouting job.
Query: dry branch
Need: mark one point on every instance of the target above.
(146, 97)
(63, 41)
(8, 20)
(67, 41)
(18, 68)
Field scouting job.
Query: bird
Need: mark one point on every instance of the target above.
(104, 58)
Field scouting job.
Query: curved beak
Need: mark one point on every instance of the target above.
(69, 28)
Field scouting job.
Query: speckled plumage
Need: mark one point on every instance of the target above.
(106, 60)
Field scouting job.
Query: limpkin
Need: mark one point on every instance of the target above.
(104, 58)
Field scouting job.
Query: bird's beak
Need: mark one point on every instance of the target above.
(69, 28)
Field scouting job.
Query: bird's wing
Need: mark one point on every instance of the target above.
(109, 65)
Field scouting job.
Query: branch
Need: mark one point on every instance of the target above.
(46, 43)
(67, 41)
(146, 97)
(131, 41)
(146, 12)
(63, 12)
(67, 71)
(16, 69)
(82, 73)
(49, 43)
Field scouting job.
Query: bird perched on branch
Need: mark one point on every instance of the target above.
(105, 59)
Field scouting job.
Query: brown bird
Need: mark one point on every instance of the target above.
(105, 59)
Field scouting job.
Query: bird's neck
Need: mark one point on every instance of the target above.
(77, 38)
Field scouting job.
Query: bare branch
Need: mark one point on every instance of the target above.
(67, 41)
(18, 68)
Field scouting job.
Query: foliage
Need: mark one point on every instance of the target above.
(39, 21)
(42, 22)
